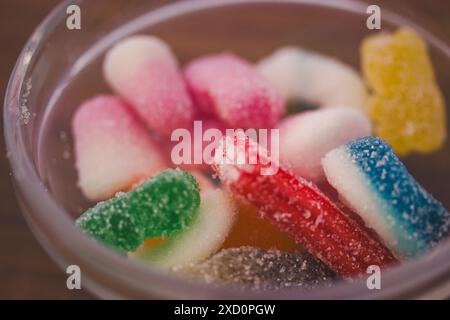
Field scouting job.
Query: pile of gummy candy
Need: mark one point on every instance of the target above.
(340, 201)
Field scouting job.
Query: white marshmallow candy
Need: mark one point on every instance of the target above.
(306, 137)
(302, 75)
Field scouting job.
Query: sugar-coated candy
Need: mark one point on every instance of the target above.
(162, 205)
(306, 137)
(112, 148)
(198, 240)
(308, 76)
(205, 183)
(250, 229)
(407, 107)
(145, 72)
(262, 269)
(376, 185)
(298, 207)
(232, 89)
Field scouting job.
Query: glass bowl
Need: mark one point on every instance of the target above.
(59, 68)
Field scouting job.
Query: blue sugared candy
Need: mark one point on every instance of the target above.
(374, 183)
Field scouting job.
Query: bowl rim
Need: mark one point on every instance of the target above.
(406, 280)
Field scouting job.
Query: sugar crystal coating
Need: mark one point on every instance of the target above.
(374, 182)
(406, 106)
(158, 207)
(298, 207)
(262, 269)
(144, 71)
(112, 148)
(200, 238)
(301, 75)
(306, 137)
(232, 89)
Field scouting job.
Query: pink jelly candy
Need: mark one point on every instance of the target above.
(112, 148)
(232, 89)
(299, 208)
(144, 71)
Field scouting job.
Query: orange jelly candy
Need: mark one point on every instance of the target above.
(251, 230)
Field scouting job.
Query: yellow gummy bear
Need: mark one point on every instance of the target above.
(406, 105)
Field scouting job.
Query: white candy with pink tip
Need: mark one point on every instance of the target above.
(306, 137)
(233, 90)
(144, 71)
(113, 149)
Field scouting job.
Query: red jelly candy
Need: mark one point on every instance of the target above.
(298, 207)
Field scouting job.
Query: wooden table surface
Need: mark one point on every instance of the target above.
(26, 272)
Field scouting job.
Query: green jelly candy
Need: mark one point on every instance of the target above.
(159, 207)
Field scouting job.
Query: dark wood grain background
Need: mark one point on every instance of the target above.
(26, 272)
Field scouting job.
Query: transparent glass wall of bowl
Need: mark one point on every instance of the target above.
(59, 68)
